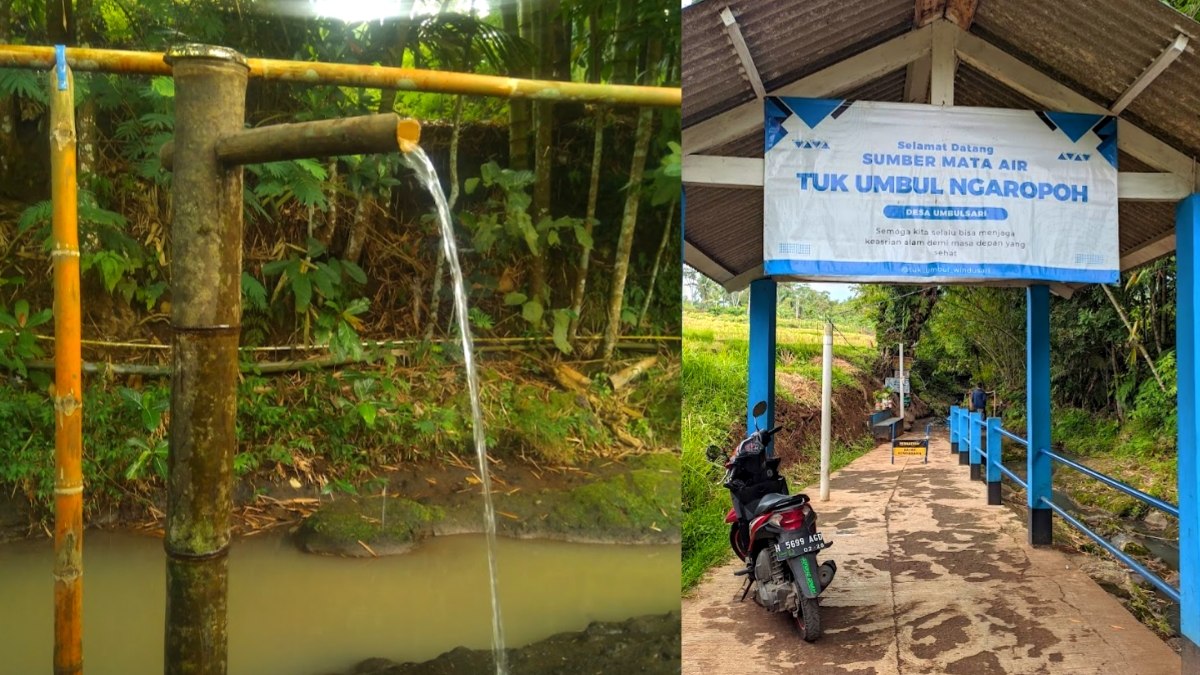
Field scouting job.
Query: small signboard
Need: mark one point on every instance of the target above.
(910, 447)
(893, 383)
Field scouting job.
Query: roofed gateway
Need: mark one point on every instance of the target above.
(805, 160)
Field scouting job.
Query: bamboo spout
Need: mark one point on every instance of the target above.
(386, 132)
(68, 382)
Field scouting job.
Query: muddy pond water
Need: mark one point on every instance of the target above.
(301, 614)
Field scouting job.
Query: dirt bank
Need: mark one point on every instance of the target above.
(634, 502)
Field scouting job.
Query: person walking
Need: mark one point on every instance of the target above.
(977, 400)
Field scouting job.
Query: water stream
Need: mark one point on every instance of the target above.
(293, 613)
(418, 161)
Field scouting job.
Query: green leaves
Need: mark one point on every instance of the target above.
(301, 181)
(302, 290)
(531, 311)
(163, 86)
(583, 237)
(666, 181)
(512, 299)
(562, 321)
(367, 412)
(253, 292)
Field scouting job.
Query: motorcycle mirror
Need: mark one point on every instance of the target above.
(759, 409)
(714, 453)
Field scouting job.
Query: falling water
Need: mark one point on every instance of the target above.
(418, 161)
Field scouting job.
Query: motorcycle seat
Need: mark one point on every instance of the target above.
(775, 501)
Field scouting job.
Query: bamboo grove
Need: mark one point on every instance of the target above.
(150, 269)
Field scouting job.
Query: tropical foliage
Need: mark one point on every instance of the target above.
(341, 253)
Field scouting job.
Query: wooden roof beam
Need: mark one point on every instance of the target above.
(1053, 95)
(704, 264)
(1156, 68)
(743, 52)
(844, 75)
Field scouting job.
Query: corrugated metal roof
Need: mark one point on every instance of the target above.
(786, 40)
(1097, 49)
(737, 245)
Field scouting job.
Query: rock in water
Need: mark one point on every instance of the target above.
(646, 645)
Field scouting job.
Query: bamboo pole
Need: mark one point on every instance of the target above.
(355, 75)
(151, 346)
(206, 313)
(68, 382)
(385, 132)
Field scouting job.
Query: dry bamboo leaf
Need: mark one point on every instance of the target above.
(364, 545)
(509, 515)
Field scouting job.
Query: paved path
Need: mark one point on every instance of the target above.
(930, 580)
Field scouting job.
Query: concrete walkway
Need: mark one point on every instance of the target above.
(930, 580)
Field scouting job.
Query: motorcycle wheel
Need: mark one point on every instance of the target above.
(808, 622)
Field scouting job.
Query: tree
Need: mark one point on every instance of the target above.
(600, 114)
(648, 16)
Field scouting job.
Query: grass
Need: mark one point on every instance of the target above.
(715, 352)
(343, 425)
(1140, 455)
(704, 327)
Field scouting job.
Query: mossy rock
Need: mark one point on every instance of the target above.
(637, 507)
(337, 528)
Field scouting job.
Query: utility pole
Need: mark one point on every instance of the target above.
(826, 408)
(900, 375)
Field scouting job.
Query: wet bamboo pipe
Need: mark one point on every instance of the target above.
(355, 75)
(68, 382)
(206, 313)
(386, 132)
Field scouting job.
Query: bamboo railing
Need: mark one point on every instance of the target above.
(356, 75)
(68, 381)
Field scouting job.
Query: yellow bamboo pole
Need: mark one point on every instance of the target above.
(68, 381)
(356, 75)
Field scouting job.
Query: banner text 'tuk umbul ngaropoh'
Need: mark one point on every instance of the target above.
(868, 191)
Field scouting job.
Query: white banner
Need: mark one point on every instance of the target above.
(868, 191)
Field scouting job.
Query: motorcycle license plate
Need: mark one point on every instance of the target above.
(799, 546)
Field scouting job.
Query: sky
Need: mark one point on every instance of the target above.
(838, 292)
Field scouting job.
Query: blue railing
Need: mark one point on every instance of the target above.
(967, 441)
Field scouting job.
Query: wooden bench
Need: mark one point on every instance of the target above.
(883, 423)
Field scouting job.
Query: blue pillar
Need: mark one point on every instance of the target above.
(953, 428)
(1187, 331)
(762, 352)
(964, 436)
(995, 456)
(976, 424)
(1037, 407)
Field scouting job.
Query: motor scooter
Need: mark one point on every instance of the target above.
(774, 533)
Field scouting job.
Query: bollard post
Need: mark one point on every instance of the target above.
(976, 422)
(953, 428)
(206, 311)
(995, 457)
